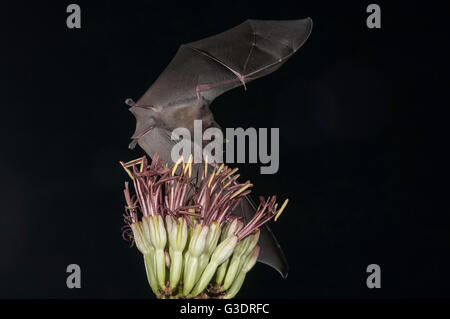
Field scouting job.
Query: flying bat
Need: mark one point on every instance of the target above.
(203, 70)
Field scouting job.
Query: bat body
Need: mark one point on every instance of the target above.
(203, 70)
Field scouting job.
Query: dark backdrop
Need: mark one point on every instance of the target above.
(354, 107)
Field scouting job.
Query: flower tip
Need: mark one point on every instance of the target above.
(281, 209)
(124, 166)
(174, 169)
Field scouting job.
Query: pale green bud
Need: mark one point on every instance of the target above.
(221, 253)
(251, 260)
(211, 243)
(158, 234)
(221, 272)
(197, 244)
(198, 240)
(158, 237)
(213, 237)
(177, 241)
(169, 222)
(142, 244)
(231, 228)
(178, 234)
(233, 268)
(248, 265)
(224, 250)
(253, 241)
(149, 262)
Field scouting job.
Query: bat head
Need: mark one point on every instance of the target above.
(185, 114)
(176, 115)
(147, 117)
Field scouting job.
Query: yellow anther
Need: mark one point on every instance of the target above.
(206, 165)
(212, 176)
(138, 161)
(126, 170)
(182, 162)
(234, 170)
(235, 177)
(188, 164)
(220, 168)
(141, 169)
(190, 170)
(281, 209)
(241, 190)
(174, 169)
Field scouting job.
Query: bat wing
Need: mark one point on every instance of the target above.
(207, 68)
(203, 70)
(271, 253)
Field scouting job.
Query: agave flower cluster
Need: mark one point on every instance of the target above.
(193, 247)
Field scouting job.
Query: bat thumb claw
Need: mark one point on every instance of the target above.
(130, 102)
(132, 145)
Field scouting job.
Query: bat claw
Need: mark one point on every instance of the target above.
(132, 145)
(130, 102)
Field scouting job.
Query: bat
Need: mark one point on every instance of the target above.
(203, 70)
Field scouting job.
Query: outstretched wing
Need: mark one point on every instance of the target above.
(214, 65)
(211, 66)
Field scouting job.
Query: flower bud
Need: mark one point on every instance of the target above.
(211, 243)
(253, 240)
(158, 237)
(251, 260)
(233, 268)
(222, 252)
(142, 244)
(177, 241)
(196, 247)
(231, 228)
(178, 234)
(198, 240)
(158, 234)
(248, 265)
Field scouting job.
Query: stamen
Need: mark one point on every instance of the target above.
(230, 173)
(174, 169)
(126, 170)
(241, 190)
(212, 176)
(281, 209)
(206, 166)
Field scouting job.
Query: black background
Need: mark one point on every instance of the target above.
(355, 108)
